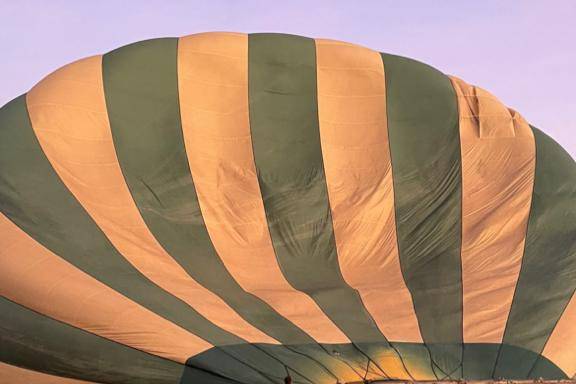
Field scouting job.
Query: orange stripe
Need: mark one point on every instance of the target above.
(560, 346)
(69, 117)
(38, 279)
(498, 160)
(354, 135)
(213, 86)
(10, 374)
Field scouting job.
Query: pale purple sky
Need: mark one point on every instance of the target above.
(523, 51)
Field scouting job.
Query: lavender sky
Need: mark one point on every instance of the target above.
(522, 51)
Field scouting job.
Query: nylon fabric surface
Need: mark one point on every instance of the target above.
(234, 208)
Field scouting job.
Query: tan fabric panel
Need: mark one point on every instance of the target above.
(69, 117)
(495, 119)
(560, 346)
(36, 278)
(10, 374)
(498, 160)
(213, 87)
(354, 136)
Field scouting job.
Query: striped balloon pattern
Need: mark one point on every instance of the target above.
(231, 208)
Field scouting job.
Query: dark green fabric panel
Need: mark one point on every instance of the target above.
(302, 370)
(35, 199)
(480, 355)
(479, 360)
(411, 352)
(33, 341)
(305, 362)
(520, 363)
(544, 368)
(417, 359)
(323, 359)
(548, 275)
(140, 82)
(425, 151)
(244, 373)
(288, 156)
(194, 375)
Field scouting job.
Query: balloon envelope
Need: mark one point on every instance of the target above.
(231, 208)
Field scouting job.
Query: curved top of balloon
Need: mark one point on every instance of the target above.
(232, 208)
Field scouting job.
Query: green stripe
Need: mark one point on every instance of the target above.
(425, 152)
(37, 342)
(548, 276)
(140, 82)
(36, 200)
(288, 157)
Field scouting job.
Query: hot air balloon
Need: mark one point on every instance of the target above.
(265, 208)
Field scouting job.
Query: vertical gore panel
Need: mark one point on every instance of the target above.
(497, 182)
(425, 151)
(288, 156)
(548, 275)
(141, 86)
(213, 87)
(40, 343)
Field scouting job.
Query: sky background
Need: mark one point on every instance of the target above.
(522, 51)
